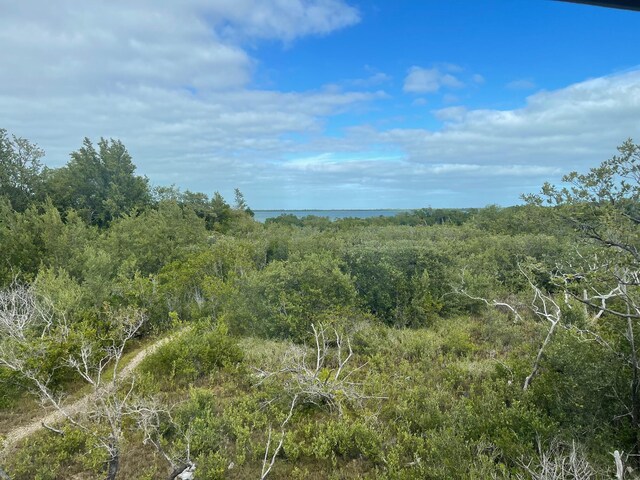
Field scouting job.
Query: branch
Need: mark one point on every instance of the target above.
(267, 468)
(603, 308)
(313, 384)
(489, 303)
(543, 306)
(593, 234)
(51, 429)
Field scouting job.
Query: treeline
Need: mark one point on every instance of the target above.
(98, 184)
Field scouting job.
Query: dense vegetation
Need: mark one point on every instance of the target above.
(479, 343)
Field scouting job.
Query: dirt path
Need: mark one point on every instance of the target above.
(78, 406)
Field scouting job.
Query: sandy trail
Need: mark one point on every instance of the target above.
(78, 406)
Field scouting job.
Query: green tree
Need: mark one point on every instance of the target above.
(216, 212)
(21, 173)
(604, 274)
(100, 184)
(148, 241)
(221, 210)
(40, 237)
(399, 282)
(286, 297)
(241, 203)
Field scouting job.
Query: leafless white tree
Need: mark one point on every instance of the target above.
(542, 305)
(323, 378)
(559, 462)
(149, 416)
(28, 323)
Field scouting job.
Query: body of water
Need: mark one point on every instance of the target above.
(262, 215)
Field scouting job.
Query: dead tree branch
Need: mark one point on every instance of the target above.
(324, 379)
(28, 323)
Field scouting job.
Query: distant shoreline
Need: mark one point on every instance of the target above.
(332, 214)
(337, 210)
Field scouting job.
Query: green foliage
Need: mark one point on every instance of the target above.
(21, 173)
(202, 284)
(192, 355)
(148, 241)
(49, 456)
(575, 381)
(440, 374)
(12, 388)
(401, 283)
(284, 298)
(99, 184)
(40, 236)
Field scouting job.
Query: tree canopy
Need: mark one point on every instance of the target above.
(100, 184)
(21, 171)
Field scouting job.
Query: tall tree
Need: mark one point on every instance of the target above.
(99, 183)
(21, 178)
(241, 203)
(604, 274)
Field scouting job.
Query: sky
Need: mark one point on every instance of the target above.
(333, 104)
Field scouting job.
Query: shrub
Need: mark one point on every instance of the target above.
(285, 298)
(192, 355)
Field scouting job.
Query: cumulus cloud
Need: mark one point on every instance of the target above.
(373, 80)
(492, 156)
(450, 113)
(63, 46)
(577, 125)
(429, 80)
(173, 81)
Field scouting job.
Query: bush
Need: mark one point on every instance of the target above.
(192, 355)
(48, 457)
(285, 298)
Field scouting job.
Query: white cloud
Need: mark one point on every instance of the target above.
(63, 46)
(375, 79)
(429, 80)
(280, 19)
(578, 125)
(450, 113)
(478, 79)
(173, 81)
(522, 84)
(489, 156)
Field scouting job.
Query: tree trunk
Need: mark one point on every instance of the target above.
(113, 466)
(178, 470)
(536, 363)
(635, 388)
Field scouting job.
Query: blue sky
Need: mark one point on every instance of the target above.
(328, 103)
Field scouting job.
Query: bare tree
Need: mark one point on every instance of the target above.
(22, 317)
(150, 416)
(323, 378)
(559, 462)
(28, 323)
(602, 206)
(542, 305)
